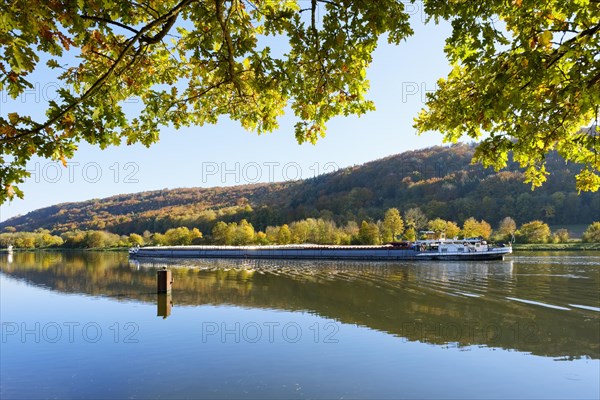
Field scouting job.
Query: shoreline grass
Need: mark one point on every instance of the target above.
(573, 246)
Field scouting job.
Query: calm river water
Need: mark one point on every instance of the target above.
(90, 325)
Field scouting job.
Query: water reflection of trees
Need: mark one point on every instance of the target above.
(434, 303)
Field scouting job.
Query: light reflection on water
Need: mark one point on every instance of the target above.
(249, 328)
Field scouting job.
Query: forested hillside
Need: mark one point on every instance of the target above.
(439, 180)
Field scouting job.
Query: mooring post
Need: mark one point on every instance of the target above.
(164, 280)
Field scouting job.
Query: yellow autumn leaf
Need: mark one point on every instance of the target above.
(10, 191)
(545, 38)
(13, 118)
(68, 119)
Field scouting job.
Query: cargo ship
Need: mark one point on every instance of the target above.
(451, 250)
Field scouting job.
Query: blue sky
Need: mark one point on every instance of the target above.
(225, 154)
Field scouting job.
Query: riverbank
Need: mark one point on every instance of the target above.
(573, 246)
(61, 249)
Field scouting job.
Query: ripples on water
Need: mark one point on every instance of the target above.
(486, 281)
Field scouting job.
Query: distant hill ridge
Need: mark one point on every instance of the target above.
(439, 180)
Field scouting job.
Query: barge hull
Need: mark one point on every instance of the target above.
(282, 254)
(359, 254)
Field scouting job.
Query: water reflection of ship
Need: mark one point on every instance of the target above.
(159, 263)
(436, 270)
(467, 271)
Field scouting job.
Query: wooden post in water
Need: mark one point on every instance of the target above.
(164, 280)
